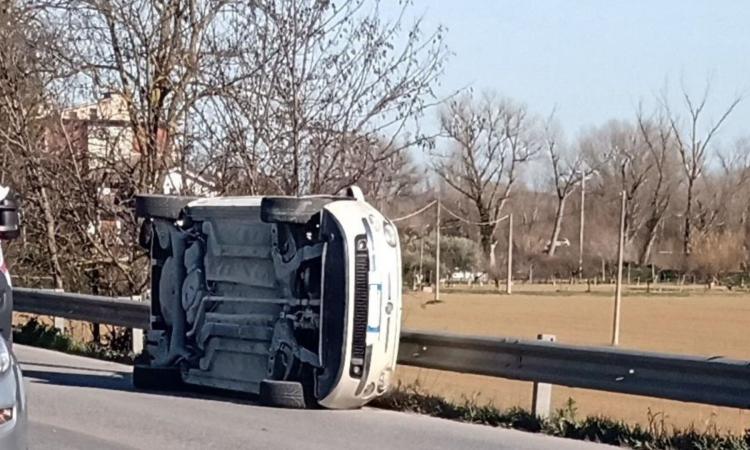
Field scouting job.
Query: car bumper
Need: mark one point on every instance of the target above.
(13, 434)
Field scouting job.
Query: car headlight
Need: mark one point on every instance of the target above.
(391, 236)
(4, 356)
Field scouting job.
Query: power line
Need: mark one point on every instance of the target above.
(540, 221)
(491, 222)
(419, 211)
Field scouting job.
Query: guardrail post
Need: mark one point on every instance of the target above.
(137, 333)
(59, 322)
(137, 341)
(542, 393)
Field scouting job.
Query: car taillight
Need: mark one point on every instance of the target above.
(6, 415)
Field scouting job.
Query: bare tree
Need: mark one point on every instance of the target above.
(716, 254)
(659, 139)
(618, 154)
(25, 71)
(733, 185)
(568, 169)
(489, 139)
(692, 146)
(334, 90)
(397, 179)
(166, 80)
(159, 57)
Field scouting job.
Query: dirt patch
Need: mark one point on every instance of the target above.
(694, 321)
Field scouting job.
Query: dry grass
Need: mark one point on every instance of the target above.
(690, 320)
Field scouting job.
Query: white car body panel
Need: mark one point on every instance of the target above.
(384, 321)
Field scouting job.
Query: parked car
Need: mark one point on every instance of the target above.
(13, 418)
(297, 299)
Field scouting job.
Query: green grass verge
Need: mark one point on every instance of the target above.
(564, 423)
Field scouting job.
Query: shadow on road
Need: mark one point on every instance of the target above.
(122, 381)
(113, 381)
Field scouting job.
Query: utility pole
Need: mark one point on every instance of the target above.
(437, 253)
(421, 258)
(509, 281)
(580, 228)
(618, 285)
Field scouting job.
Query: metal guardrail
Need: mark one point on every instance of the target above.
(91, 308)
(715, 381)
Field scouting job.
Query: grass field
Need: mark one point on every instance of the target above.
(690, 320)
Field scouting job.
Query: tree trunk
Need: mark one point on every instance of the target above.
(687, 245)
(486, 230)
(557, 226)
(50, 230)
(652, 227)
(486, 239)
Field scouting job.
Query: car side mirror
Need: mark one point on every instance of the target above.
(10, 218)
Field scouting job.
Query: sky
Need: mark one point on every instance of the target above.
(592, 61)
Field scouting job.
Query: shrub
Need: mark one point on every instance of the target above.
(37, 334)
(563, 423)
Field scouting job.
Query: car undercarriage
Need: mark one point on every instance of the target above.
(248, 294)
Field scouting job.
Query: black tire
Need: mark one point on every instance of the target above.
(293, 209)
(156, 378)
(284, 394)
(161, 206)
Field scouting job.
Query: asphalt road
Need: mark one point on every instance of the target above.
(81, 403)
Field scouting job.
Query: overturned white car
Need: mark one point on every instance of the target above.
(297, 299)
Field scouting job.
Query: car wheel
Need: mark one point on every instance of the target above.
(284, 394)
